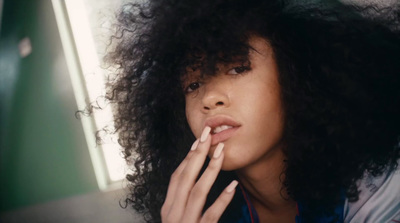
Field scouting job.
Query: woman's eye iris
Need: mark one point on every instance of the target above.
(193, 86)
(239, 70)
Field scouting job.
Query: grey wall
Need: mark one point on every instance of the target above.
(99, 207)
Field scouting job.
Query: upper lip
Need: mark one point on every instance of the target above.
(219, 120)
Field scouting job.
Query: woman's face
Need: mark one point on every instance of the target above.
(242, 105)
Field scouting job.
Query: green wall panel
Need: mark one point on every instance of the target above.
(43, 152)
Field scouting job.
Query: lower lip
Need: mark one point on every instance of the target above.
(222, 136)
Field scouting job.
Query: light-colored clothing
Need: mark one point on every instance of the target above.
(379, 200)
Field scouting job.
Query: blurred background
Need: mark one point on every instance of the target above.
(51, 169)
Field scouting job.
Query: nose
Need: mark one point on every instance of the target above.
(216, 94)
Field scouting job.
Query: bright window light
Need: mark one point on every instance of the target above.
(88, 80)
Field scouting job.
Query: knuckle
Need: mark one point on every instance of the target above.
(213, 165)
(197, 152)
(174, 176)
(184, 176)
(197, 191)
(164, 211)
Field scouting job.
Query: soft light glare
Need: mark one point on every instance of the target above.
(94, 77)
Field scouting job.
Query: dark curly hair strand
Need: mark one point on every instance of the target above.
(339, 75)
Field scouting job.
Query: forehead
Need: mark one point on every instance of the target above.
(260, 45)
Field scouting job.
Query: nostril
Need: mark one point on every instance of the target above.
(207, 106)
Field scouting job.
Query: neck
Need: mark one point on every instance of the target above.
(263, 182)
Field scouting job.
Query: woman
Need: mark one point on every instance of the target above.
(298, 104)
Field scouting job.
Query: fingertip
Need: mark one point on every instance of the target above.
(218, 150)
(205, 134)
(231, 187)
(194, 145)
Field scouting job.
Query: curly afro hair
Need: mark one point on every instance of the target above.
(339, 76)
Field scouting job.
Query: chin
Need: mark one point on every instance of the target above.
(229, 166)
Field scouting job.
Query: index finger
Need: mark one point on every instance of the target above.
(187, 178)
(175, 176)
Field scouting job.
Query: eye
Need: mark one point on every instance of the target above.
(239, 70)
(192, 87)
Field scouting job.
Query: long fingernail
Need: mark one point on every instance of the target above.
(195, 144)
(218, 150)
(205, 134)
(232, 186)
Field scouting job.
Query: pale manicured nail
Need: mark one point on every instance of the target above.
(218, 150)
(195, 144)
(205, 134)
(232, 186)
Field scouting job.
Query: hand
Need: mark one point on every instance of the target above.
(186, 197)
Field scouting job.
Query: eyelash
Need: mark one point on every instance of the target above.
(193, 86)
(239, 70)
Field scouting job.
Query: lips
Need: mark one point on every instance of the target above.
(222, 128)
